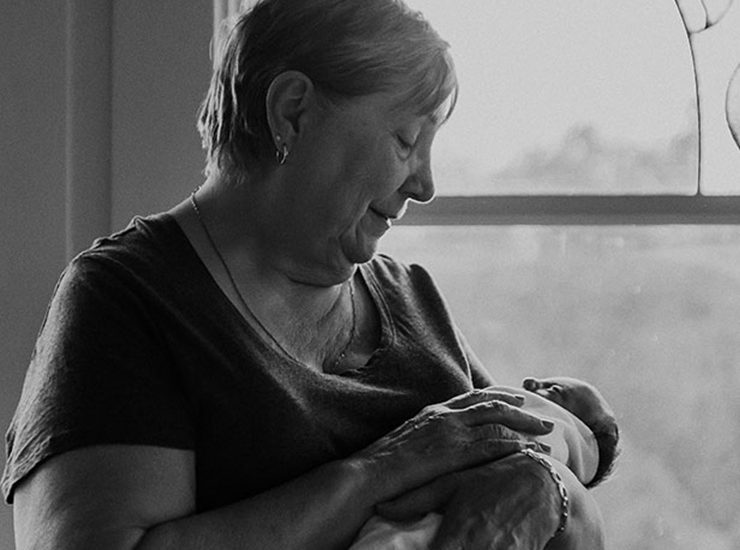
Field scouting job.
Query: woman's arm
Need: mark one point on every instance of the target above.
(124, 496)
(121, 496)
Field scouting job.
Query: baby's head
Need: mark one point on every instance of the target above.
(586, 402)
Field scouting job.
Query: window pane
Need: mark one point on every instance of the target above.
(717, 51)
(567, 97)
(648, 314)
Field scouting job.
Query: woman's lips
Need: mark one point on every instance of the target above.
(396, 215)
(382, 218)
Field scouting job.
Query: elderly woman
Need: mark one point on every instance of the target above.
(243, 371)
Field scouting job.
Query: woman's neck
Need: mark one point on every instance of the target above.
(254, 223)
(305, 318)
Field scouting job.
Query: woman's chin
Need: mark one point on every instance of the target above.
(362, 251)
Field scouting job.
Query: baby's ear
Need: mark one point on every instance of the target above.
(534, 384)
(545, 388)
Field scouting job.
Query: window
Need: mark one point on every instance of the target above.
(568, 97)
(649, 315)
(587, 225)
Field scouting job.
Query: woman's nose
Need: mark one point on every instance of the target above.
(419, 186)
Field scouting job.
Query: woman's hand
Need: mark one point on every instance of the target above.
(465, 431)
(509, 503)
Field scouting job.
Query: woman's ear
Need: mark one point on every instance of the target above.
(289, 97)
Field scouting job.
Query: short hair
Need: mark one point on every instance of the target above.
(348, 48)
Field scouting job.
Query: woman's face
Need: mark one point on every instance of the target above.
(357, 166)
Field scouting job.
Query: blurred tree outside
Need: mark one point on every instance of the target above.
(648, 314)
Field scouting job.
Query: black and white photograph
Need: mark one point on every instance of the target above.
(370, 274)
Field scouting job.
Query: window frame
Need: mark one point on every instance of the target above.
(576, 210)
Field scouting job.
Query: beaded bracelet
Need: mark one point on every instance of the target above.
(560, 485)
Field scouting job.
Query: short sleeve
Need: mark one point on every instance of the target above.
(100, 374)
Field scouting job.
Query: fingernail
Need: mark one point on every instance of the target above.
(531, 446)
(548, 424)
(519, 398)
(545, 448)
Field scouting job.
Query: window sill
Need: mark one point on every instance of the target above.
(576, 210)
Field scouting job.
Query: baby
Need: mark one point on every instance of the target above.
(585, 438)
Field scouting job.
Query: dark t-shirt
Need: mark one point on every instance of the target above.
(140, 346)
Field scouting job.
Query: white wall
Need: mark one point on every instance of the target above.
(160, 72)
(32, 102)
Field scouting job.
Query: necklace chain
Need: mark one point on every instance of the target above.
(342, 354)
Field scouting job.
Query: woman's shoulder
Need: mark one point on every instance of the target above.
(404, 283)
(154, 236)
(143, 263)
(147, 247)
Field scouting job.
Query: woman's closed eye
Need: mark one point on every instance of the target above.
(406, 145)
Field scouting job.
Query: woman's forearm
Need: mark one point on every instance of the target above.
(585, 527)
(322, 509)
(129, 496)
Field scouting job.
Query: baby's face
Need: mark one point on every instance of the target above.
(576, 396)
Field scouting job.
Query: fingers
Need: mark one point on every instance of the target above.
(497, 412)
(487, 409)
(493, 441)
(489, 406)
(483, 396)
(446, 437)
